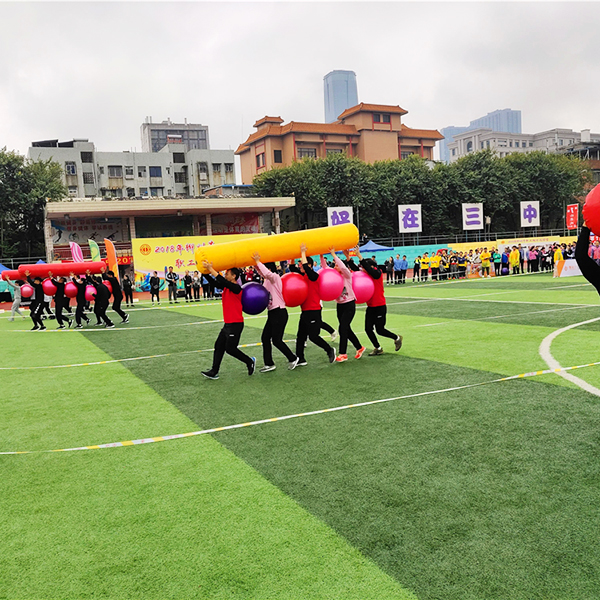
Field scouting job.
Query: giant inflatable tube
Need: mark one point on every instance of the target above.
(62, 269)
(274, 248)
(8, 274)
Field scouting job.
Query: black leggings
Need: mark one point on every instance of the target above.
(117, 307)
(128, 295)
(228, 341)
(309, 327)
(79, 313)
(196, 292)
(327, 327)
(375, 318)
(100, 312)
(273, 333)
(588, 266)
(35, 312)
(345, 314)
(59, 305)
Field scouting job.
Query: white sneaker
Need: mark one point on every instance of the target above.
(334, 335)
(293, 364)
(268, 368)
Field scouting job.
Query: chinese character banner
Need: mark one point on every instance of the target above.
(572, 216)
(410, 218)
(80, 231)
(472, 216)
(339, 215)
(530, 214)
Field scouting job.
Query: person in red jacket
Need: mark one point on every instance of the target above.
(375, 315)
(229, 336)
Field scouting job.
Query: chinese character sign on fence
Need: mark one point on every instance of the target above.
(572, 216)
(530, 214)
(409, 218)
(339, 215)
(472, 216)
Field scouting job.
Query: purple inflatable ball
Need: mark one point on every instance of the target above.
(255, 298)
(504, 270)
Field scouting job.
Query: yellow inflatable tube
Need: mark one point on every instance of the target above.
(274, 248)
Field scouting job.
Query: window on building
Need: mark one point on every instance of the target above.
(178, 157)
(88, 178)
(531, 144)
(228, 167)
(87, 157)
(560, 142)
(516, 143)
(202, 168)
(260, 160)
(307, 153)
(487, 144)
(115, 171)
(70, 168)
(101, 170)
(128, 172)
(453, 153)
(510, 143)
(130, 192)
(277, 157)
(142, 172)
(73, 191)
(376, 118)
(156, 191)
(404, 155)
(180, 177)
(385, 119)
(155, 172)
(334, 151)
(481, 144)
(469, 146)
(143, 192)
(217, 167)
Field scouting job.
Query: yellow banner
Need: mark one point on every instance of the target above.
(157, 254)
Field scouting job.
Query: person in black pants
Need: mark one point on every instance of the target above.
(81, 285)
(128, 290)
(101, 301)
(117, 295)
(59, 300)
(196, 286)
(187, 285)
(172, 279)
(229, 336)
(155, 288)
(37, 303)
(588, 266)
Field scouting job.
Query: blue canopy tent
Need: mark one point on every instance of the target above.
(40, 262)
(371, 246)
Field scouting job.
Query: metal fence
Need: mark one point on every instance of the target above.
(13, 263)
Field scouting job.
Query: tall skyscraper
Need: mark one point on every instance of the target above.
(340, 93)
(505, 120)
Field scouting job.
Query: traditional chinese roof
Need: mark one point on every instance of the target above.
(268, 120)
(380, 108)
(429, 134)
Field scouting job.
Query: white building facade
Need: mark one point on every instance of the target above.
(173, 172)
(552, 141)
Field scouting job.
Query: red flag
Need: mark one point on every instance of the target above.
(572, 217)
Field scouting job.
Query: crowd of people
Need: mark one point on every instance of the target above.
(481, 262)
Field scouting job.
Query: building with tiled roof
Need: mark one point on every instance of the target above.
(370, 132)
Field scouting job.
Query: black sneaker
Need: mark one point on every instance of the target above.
(97, 324)
(302, 362)
(78, 326)
(210, 375)
(111, 326)
(70, 323)
(398, 343)
(126, 319)
(331, 354)
(252, 366)
(61, 327)
(35, 328)
(42, 328)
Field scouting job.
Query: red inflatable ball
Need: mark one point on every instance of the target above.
(26, 290)
(70, 290)
(294, 288)
(331, 284)
(48, 287)
(363, 286)
(108, 285)
(255, 298)
(591, 210)
(90, 293)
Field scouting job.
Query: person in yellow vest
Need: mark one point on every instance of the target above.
(485, 262)
(558, 255)
(424, 267)
(435, 266)
(514, 259)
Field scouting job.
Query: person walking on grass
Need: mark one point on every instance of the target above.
(172, 279)
(101, 297)
(309, 326)
(117, 295)
(346, 309)
(14, 309)
(37, 302)
(277, 318)
(229, 336)
(81, 285)
(376, 313)
(59, 300)
(128, 290)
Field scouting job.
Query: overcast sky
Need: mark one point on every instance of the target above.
(96, 70)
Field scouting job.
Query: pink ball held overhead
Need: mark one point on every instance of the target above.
(294, 288)
(26, 291)
(70, 290)
(48, 287)
(331, 284)
(90, 293)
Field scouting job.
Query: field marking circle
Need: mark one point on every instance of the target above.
(554, 364)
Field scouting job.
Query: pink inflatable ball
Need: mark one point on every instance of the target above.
(331, 284)
(70, 290)
(591, 210)
(294, 288)
(90, 293)
(26, 290)
(48, 287)
(255, 298)
(363, 286)
(108, 285)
